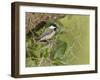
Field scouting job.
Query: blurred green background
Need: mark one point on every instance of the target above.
(70, 45)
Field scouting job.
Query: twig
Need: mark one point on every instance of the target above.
(41, 60)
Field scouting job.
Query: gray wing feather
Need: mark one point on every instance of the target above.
(47, 32)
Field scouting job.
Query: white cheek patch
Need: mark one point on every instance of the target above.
(52, 27)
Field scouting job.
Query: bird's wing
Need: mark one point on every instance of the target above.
(47, 32)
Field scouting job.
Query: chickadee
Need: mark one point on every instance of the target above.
(48, 33)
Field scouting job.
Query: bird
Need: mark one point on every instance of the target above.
(48, 33)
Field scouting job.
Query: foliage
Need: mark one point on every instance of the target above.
(70, 45)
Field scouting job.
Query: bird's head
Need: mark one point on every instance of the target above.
(53, 26)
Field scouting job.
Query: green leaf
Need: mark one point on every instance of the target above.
(30, 62)
(58, 61)
(59, 51)
(46, 53)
